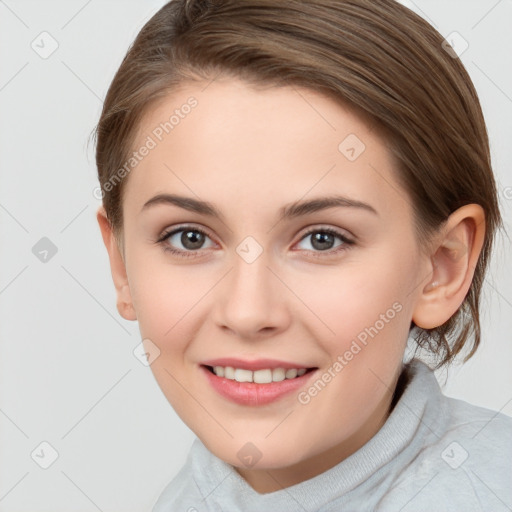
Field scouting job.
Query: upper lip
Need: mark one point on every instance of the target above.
(255, 364)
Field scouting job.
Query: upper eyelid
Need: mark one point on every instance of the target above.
(172, 231)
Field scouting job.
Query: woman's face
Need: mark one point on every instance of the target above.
(295, 248)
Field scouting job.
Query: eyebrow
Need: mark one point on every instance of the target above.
(289, 211)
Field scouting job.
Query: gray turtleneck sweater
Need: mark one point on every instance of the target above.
(433, 454)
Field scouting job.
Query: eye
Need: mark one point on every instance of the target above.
(323, 240)
(191, 239)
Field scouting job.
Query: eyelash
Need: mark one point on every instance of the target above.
(193, 254)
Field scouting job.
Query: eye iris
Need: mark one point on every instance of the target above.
(192, 239)
(322, 239)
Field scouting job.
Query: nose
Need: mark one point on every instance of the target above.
(252, 301)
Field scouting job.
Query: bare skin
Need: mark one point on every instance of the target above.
(249, 153)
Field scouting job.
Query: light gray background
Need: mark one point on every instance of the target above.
(68, 375)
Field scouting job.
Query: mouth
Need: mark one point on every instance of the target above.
(264, 384)
(261, 376)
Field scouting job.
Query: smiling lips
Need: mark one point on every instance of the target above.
(254, 382)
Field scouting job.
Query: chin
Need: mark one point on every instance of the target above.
(258, 454)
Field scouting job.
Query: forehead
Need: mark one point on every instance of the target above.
(226, 139)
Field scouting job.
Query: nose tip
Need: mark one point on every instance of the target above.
(250, 302)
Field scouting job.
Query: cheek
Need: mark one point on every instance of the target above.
(367, 302)
(167, 303)
(164, 297)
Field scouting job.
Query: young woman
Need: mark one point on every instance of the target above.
(293, 193)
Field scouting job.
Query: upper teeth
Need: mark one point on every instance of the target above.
(258, 376)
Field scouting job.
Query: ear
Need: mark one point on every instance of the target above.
(117, 267)
(454, 258)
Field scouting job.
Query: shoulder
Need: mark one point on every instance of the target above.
(484, 435)
(465, 466)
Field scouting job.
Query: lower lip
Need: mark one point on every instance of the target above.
(250, 393)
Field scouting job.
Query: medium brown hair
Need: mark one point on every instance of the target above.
(378, 57)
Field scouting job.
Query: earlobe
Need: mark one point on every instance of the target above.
(454, 261)
(117, 267)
